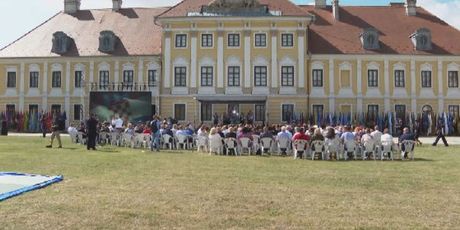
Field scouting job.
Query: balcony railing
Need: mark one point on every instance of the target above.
(126, 87)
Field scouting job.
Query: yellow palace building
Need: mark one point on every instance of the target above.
(271, 57)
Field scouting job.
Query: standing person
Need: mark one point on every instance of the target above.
(43, 124)
(216, 119)
(156, 135)
(57, 128)
(91, 127)
(440, 133)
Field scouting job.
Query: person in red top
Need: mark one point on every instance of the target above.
(300, 135)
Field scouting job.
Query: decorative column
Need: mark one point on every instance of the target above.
(387, 86)
(45, 87)
(301, 65)
(247, 58)
(359, 102)
(116, 75)
(274, 47)
(140, 72)
(220, 59)
(167, 63)
(440, 87)
(67, 93)
(193, 59)
(413, 93)
(331, 86)
(21, 87)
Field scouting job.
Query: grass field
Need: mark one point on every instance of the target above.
(117, 188)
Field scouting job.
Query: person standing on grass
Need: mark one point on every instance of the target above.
(156, 135)
(58, 127)
(91, 127)
(43, 124)
(440, 129)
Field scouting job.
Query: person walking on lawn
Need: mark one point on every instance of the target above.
(57, 128)
(91, 127)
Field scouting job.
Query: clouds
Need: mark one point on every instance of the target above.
(446, 10)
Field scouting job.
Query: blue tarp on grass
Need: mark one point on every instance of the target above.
(13, 184)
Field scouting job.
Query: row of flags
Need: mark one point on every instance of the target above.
(30, 121)
(421, 123)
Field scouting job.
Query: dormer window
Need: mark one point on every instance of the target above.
(107, 41)
(61, 43)
(422, 39)
(370, 39)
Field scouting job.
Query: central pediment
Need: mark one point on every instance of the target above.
(244, 8)
(234, 4)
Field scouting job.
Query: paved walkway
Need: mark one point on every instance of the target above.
(424, 140)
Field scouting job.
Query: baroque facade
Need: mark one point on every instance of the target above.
(271, 57)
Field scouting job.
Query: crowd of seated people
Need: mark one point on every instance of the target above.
(345, 140)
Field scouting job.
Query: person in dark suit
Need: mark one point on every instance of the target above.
(440, 133)
(91, 127)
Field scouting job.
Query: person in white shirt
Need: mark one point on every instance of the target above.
(386, 137)
(377, 135)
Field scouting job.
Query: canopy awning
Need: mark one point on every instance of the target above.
(232, 99)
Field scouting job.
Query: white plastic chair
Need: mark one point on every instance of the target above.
(266, 144)
(81, 139)
(182, 140)
(103, 137)
(245, 145)
(114, 138)
(300, 146)
(368, 147)
(202, 143)
(128, 140)
(333, 147)
(166, 139)
(319, 149)
(386, 151)
(215, 146)
(255, 143)
(409, 148)
(350, 147)
(231, 144)
(283, 143)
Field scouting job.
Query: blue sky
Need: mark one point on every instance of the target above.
(20, 16)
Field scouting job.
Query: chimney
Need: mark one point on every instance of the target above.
(320, 3)
(71, 6)
(116, 5)
(411, 7)
(335, 9)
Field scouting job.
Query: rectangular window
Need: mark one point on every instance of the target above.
(206, 112)
(259, 114)
(373, 78)
(103, 79)
(11, 80)
(454, 110)
(180, 76)
(345, 78)
(55, 109)
(287, 40)
(206, 40)
(400, 79)
(233, 40)
(207, 76)
(426, 79)
(56, 79)
(318, 111)
(33, 81)
(260, 76)
(400, 111)
(33, 109)
(181, 40)
(373, 110)
(287, 76)
(453, 79)
(77, 112)
(233, 76)
(287, 112)
(317, 78)
(152, 78)
(260, 40)
(128, 79)
(78, 79)
(179, 112)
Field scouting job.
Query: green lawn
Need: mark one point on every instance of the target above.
(117, 188)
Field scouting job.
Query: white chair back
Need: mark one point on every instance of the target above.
(266, 144)
(299, 145)
(386, 150)
(215, 145)
(182, 140)
(318, 148)
(202, 142)
(245, 144)
(81, 139)
(231, 144)
(166, 139)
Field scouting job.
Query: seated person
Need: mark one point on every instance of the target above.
(406, 136)
(130, 130)
(300, 135)
(284, 134)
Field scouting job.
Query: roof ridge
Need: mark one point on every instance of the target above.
(171, 8)
(30, 31)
